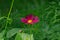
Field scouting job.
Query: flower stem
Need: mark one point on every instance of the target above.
(10, 8)
(30, 31)
(8, 17)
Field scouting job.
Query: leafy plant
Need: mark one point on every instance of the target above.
(48, 12)
(24, 36)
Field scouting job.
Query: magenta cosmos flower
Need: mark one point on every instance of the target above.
(30, 19)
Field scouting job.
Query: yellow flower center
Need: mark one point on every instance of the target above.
(29, 21)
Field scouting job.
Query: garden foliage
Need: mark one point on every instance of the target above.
(48, 12)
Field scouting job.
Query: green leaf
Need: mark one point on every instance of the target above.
(1, 39)
(24, 36)
(18, 37)
(2, 34)
(12, 32)
(56, 27)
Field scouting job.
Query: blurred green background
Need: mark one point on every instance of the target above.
(48, 12)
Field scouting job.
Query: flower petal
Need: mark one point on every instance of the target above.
(23, 20)
(35, 19)
(29, 16)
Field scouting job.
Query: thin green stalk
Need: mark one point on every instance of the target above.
(8, 17)
(10, 8)
(30, 31)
